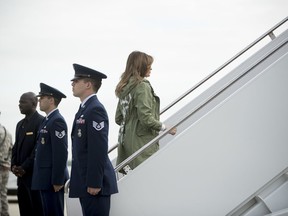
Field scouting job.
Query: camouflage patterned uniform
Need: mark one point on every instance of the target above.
(5, 162)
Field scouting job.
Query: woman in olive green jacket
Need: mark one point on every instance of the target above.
(138, 110)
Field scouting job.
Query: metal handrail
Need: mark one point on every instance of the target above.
(271, 35)
(267, 33)
(112, 148)
(138, 152)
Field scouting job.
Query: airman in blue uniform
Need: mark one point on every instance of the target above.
(93, 178)
(50, 166)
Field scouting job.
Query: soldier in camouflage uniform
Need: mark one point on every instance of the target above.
(5, 160)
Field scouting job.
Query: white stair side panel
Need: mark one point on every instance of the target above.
(218, 161)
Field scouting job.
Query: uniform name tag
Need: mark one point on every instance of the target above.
(29, 133)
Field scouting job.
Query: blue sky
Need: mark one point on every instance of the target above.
(40, 40)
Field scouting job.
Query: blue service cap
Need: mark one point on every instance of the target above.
(85, 72)
(46, 90)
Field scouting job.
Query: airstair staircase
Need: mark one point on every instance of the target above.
(230, 153)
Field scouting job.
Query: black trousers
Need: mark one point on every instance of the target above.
(95, 205)
(29, 201)
(53, 202)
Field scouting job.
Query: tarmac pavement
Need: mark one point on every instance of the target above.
(13, 209)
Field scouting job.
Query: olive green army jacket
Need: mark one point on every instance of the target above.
(5, 147)
(137, 113)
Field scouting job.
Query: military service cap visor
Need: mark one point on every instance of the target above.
(46, 90)
(85, 72)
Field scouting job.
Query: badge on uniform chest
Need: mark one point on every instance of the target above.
(79, 133)
(43, 131)
(80, 120)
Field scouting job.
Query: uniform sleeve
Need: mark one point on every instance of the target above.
(59, 142)
(14, 149)
(5, 147)
(97, 146)
(10, 147)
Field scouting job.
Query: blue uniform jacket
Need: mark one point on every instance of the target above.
(91, 166)
(50, 165)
